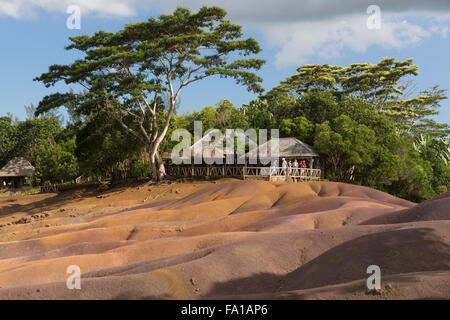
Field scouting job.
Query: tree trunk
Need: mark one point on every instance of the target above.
(158, 169)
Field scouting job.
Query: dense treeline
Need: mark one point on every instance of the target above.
(125, 74)
(359, 117)
(44, 142)
(373, 129)
(386, 147)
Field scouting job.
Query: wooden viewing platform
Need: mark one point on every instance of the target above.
(282, 174)
(205, 171)
(246, 173)
(289, 150)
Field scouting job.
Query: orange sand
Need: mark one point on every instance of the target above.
(228, 239)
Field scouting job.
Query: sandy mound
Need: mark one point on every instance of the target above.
(235, 239)
(437, 208)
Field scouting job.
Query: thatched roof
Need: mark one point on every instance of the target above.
(207, 145)
(289, 148)
(17, 167)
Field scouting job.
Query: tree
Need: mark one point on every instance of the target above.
(105, 149)
(8, 140)
(207, 116)
(125, 73)
(229, 117)
(414, 179)
(56, 163)
(348, 145)
(43, 142)
(436, 152)
(379, 84)
(258, 114)
(34, 134)
(299, 127)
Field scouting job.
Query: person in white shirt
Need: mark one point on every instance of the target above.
(284, 165)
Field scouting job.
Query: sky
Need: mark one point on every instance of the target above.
(291, 33)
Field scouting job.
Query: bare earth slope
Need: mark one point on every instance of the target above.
(232, 239)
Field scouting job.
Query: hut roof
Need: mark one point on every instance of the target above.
(289, 147)
(207, 143)
(17, 167)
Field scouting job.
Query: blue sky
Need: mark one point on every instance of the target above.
(34, 34)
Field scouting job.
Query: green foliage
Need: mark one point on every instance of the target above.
(104, 148)
(363, 147)
(126, 73)
(222, 116)
(436, 153)
(8, 137)
(321, 106)
(34, 134)
(364, 124)
(5, 193)
(207, 116)
(414, 179)
(56, 163)
(349, 146)
(299, 127)
(227, 117)
(359, 117)
(141, 169)
(258, 114)
(43, 142)
(379, 84)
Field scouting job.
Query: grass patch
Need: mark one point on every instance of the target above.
(6, 193)
(386, 289)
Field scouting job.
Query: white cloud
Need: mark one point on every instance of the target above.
(298, 29)
(268, 11)
(255, 11)
(299, 41)
(10, 8)
(21, 9)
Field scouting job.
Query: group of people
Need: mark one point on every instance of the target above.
(295, 164)
(287, 166)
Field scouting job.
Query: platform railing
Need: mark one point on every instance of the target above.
(296, 173)
(302, 174)
(205, 171)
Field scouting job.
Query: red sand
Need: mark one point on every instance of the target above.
(232, 239)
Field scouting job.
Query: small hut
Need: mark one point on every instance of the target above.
(212, 151)
(16, 172)
(253, 164)
(218, 159)
(289, 149)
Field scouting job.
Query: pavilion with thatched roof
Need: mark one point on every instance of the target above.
(218, 159)
(290, 149)
(257, 163)
(15, 172)
(210, 150)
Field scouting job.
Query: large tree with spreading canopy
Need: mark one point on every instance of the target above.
(384, 85)
(127, 74)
